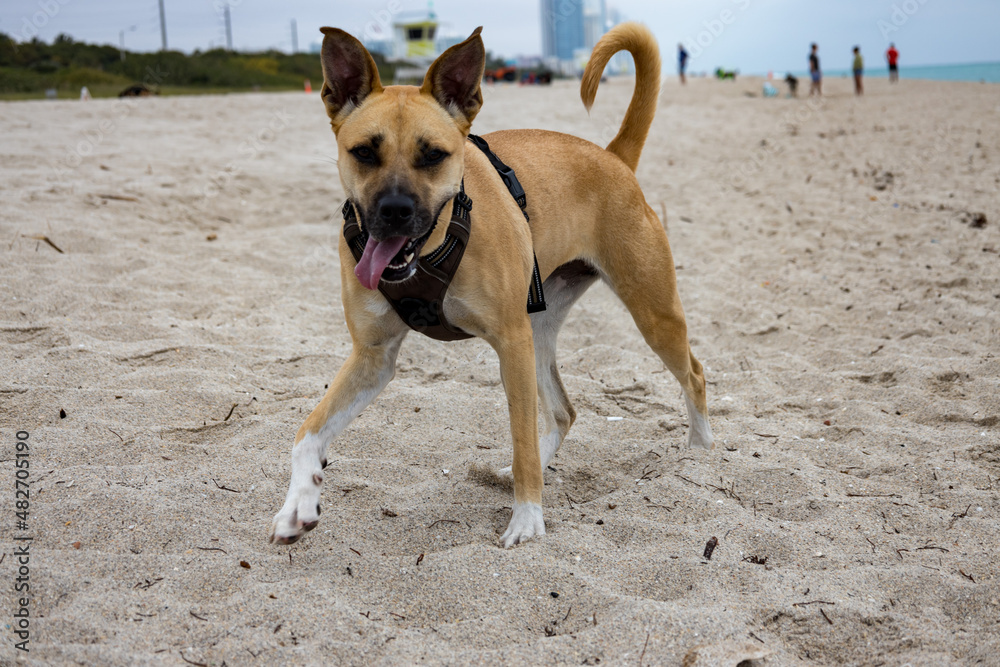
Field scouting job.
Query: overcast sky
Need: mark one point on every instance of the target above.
(750, 35)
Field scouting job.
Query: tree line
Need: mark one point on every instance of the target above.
(66, 65)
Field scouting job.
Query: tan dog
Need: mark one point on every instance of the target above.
(403, 155)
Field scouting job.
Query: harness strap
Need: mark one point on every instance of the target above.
(506, 173)
(536, 298)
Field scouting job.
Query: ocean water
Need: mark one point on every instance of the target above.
(988, 72)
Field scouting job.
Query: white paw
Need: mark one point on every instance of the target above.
(506, 473)
(526, 522)
(298, 515)
(700, 435)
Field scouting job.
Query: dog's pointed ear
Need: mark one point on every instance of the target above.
(349, 73)
(453, 79)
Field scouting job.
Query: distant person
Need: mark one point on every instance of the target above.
(682, 62)
(815, 73)
(859, 68)
(892, 55)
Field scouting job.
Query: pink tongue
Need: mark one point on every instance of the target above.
(376, 257)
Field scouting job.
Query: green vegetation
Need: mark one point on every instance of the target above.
(28, 69)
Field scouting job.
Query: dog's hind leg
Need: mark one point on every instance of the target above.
(562, 289)
(362, 377)
(640, 269)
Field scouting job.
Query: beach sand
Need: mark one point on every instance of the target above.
(840, 288)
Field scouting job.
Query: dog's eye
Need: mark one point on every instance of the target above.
(433, 157)
(364, 154)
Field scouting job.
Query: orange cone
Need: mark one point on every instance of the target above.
(309, 86)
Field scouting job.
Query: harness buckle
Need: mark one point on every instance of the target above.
(510, 180)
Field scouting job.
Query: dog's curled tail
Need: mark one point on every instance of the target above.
(639, 41)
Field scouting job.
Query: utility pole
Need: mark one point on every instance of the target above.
(163, 26)
(295, 37)
(229, 29)
(121, 40)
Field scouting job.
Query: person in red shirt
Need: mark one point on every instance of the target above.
(892, 55)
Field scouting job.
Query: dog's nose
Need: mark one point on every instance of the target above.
(396, 209)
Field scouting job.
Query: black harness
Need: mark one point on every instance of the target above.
(419, 301)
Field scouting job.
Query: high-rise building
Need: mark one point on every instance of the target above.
(570, 30)
(562, 28)
(595, 22)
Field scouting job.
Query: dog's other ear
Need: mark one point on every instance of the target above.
(349, 73)
(453, 79)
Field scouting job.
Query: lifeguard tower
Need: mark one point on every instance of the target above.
(415, 41)
(414, 38)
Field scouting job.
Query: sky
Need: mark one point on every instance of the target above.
(754, 36)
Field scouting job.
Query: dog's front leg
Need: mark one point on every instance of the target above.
(517, 372)
(362, 377)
